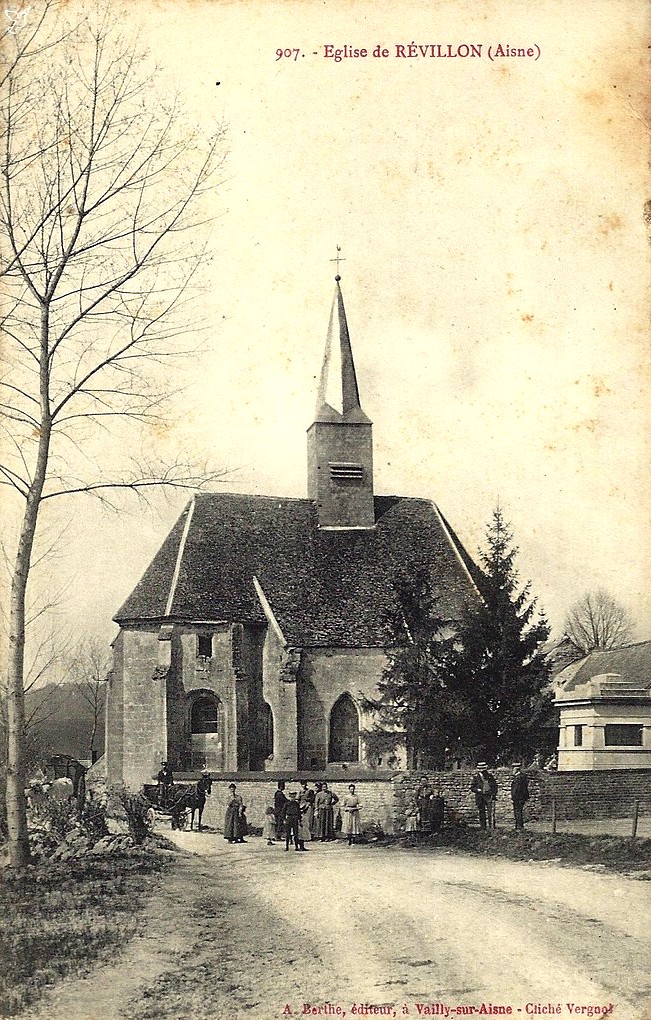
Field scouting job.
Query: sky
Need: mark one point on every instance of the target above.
(490, 218)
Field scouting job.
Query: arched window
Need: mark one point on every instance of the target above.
(205, 715)
(344, 730)
(206, 730)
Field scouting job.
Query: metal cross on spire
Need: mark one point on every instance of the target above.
(338, 260)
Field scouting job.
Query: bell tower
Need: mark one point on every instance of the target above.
(340, 441)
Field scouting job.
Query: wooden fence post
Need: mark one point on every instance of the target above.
(636, 811)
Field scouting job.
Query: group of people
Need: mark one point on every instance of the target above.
(425, 811)
(310, 815)
(297, 817)
(484, 787)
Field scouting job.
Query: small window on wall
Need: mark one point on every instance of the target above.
(623, 735)
(204, 646)
(578, 736)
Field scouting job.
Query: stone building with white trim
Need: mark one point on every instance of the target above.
(604, 701)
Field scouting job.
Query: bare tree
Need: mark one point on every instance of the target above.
(102, 221)
(599, 620)
(88, 671)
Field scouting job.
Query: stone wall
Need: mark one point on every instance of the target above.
(454, 787)
(324, 675)
(144, 696)
(577, 794)
(279, 666)
(134, 728)
(257, 792)
(384, 797)
(602, 794)
(114, 716)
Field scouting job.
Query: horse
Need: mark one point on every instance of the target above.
(192, 800)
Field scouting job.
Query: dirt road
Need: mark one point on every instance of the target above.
(252, 931)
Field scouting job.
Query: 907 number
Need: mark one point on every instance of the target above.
(287, 53)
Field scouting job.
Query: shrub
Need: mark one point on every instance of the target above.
(137, 810)
(93, 819)
(58, 817)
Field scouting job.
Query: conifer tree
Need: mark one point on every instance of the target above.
(416, 709)
(500, 670)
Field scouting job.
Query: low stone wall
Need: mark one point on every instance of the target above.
(454, 787)
(384, 797)
(603, 794)
(608, 793)
(257, 792)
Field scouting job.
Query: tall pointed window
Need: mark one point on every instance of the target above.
(344, 730)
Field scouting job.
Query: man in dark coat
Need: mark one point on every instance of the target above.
(484, 786)
(165, 781)
(293, 823)
(519, 794)
(280, 806)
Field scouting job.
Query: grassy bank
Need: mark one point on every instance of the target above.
(612, 853)
(60, 918)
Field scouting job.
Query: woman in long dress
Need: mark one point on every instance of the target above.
(235, 819)
(315, 816)
(325, 809)
(306, 801)
(350, 823)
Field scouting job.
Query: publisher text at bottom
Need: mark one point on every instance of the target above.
(443, 1009)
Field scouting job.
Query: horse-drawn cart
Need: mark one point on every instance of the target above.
(180, 803)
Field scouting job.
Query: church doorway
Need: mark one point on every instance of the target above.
(206, 733)
(344, 730)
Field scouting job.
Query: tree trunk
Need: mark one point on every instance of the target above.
(16, 737)
(93, 752)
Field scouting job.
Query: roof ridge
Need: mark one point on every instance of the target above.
(618, 648)
(455, 542)
(251, 495)
(179, 556)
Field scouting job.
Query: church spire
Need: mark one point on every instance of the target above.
(340, 446)
(338, 393)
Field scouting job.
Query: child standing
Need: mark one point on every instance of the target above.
(269, 827)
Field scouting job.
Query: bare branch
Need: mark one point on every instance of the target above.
(598, 621)
(103, 229)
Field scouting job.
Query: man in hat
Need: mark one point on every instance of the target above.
(519, 793)
(484, 786)
(165, 781)
(293, 823)
(280, 806)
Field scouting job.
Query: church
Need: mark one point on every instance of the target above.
(259, 629)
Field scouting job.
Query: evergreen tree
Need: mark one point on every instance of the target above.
(500, 670)
(416, 708)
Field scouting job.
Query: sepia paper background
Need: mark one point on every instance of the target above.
(491, 218)
(490, 214)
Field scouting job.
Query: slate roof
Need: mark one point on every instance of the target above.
(325, 587)
(620, 669)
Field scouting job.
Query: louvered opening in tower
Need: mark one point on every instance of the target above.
(350, 474)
